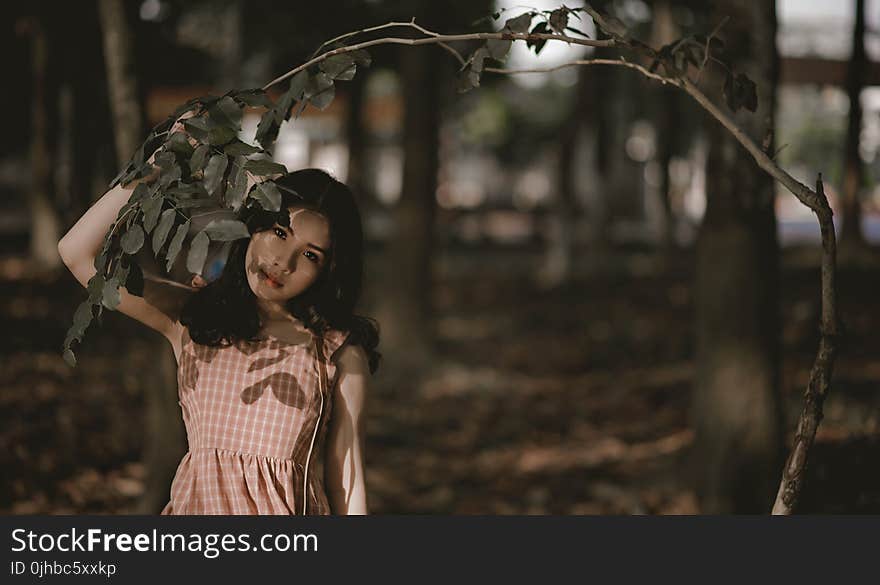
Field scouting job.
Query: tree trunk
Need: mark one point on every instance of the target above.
(851, 232)
(356, 138)
(557, 267)
(736, 411)
(666, 122)
(128, 116)
(45, 224)
(405, 314)
(165, 434)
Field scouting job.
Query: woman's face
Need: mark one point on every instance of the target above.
(282, 262)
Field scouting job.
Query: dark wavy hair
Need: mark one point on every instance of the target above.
(225, 310)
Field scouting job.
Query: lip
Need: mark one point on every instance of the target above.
(272, 282)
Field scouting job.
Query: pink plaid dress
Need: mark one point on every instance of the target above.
(256, 416)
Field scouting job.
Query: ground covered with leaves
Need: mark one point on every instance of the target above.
(570, 401)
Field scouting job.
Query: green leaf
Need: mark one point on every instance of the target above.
(136, 173)
(320, 91)
(267, 195)
(235, 192)
(226, 112)
(122, 173)
(169, 176)
(298, 84)
(341, 66)
(196, 202)
(165, 160)
(323, 99)
(187, 190)
(262, 168)
(198, 252)
(122, 271)
(186, 107)
(281, 111)
(161, 231)
(520, 24)
(361, 57)
(317, 83)
(101, 261)
(254, 98)
(133, 239)
(176, 244)
(559, 20)
(208, 130)
(134, 282)
(214, 172)
(477, 59)
(199, 127)
(578, 31)
(239, 148)
(498, 48)
(538, 44)
(139, 194)
(299, 109)
(267, 129)
(199, 156)
(111, 297)
(346, 75)
(740, 91)
(221, 135)
(69, 358)
(467, 80)
(179, 144)
(151, 208)
(95, 288)
(225, 230)
(82, 317)
(613, 26)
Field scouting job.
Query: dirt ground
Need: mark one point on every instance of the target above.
(573, 401)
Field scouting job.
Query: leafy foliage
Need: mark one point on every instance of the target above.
(194, 159)
(207, 164)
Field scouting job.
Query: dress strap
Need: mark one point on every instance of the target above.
(319, 343)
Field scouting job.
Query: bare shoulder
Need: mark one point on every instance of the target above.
(352, 359)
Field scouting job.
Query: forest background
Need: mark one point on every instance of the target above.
(588, 305)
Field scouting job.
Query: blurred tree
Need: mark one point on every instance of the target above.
(853, 175)
(125, 106)
(86, 145)
(736, 411)
(357, 141)
(405, 313)
(405, 309)
(45, 224)
(556, 269)
(666, 120)
(165, 438)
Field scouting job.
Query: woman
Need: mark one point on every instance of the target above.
(273, 364)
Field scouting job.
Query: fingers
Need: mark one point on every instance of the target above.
(197, 281)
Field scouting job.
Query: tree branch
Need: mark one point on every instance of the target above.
(820, 375)
(433, 38)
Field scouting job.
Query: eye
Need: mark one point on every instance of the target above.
(312, 256)
(280, 233)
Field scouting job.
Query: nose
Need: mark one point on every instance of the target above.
(287, 264)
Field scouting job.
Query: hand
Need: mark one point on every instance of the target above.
(197, 282)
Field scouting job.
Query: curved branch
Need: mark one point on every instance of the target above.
(434, 38)
(820, 375)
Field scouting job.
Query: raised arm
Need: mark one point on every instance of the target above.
(83, 242)
(344, 459)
